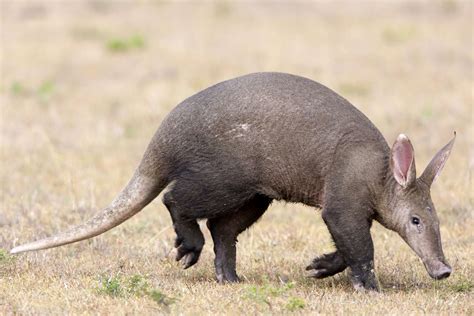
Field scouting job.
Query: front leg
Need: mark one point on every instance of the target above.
(350, 230)
(327, 265)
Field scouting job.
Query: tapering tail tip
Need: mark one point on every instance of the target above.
(26, 247)
(17, 250)
(137, 194)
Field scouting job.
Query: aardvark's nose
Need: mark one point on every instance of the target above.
(442, 272)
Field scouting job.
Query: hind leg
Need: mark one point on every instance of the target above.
(189, 239)
(224, 231)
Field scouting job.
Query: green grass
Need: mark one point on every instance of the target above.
(160, 298)
(43, 91)
(399, 34)
(119, 45)
(18, 89)
(463, 286)
(5, 257)
(46, 88)
(265, 292)
(111, 286)
(295, 303)
(272, 297)
(121, 286)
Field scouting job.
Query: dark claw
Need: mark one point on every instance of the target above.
(188, 256)
(327, 265)
(222, 279)
(319, 274)
(364, 279)
(181, 253)
(190, 259)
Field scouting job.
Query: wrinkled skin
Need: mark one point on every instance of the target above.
(415, 219)
(225, 153)
(409, 209)
(405, 207)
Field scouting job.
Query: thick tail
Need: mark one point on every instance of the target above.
(140, 191)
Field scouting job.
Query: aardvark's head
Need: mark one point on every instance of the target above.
(408, 208)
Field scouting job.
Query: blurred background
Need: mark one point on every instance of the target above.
(84, 85)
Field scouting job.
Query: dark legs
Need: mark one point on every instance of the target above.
(354, 249)
(224, 231)
(327, 265)
(350, 230)
(348, 221)
(189, 239)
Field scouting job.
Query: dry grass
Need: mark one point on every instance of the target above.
(85, 84)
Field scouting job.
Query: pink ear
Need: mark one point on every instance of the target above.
(403, 161)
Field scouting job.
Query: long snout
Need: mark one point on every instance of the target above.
(438, 270)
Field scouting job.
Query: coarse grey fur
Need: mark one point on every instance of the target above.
(232, 148)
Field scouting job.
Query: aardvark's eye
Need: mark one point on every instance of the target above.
(415, 220)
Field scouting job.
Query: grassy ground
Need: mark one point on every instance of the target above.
(85, 84)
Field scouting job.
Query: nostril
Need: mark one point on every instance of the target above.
(443, 273)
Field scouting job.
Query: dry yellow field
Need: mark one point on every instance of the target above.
(84, 84)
